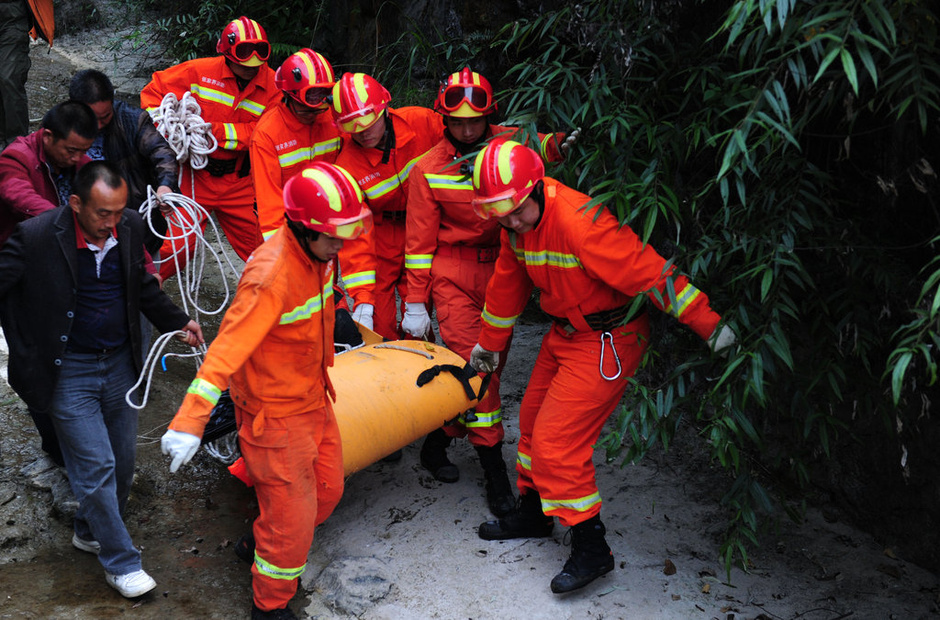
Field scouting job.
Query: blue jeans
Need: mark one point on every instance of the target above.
(97, 431)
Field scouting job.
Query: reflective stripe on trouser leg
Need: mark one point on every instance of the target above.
(296, 463)
(563, 413)
(458, 287)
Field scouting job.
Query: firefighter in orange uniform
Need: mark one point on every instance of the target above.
(588, 271)
(449, 255)
(272, 350)
(380, 149)
(233, 90)
(292, 133)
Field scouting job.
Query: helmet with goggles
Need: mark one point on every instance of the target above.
(244, 41)
(504, 174)
(325, 198)
(358, 102)
(306, 77)
(465, 94)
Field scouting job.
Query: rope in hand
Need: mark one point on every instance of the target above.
(185, 221)
(150, 365)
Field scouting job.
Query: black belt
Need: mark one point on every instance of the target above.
(220, 167)
(394, 216)
(602, 321)
(78, 348)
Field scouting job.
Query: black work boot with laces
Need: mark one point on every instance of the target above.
(498, 489)
(525, 520)
(434, 457)
(590, 557)
(284, 613)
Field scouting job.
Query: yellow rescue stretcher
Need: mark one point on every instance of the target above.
(389, 394)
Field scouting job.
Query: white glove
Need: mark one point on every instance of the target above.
(570, 139)
(362, 314)
(722, 340)
(181, 446)
(483, 360)
(416, 320)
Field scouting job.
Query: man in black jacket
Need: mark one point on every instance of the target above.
(72, 286)
(128, 138)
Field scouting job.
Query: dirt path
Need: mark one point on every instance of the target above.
(402, 545)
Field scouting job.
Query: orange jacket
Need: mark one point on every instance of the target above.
(233, 113)
(280, 147)
(275, 342)
(582, 266)
(385, 187)
(439, 211)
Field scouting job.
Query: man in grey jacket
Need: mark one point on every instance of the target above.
(128, 138)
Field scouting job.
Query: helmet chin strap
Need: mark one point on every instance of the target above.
(303, 235)
(389, 138)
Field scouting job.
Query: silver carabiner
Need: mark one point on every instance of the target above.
(610, 337)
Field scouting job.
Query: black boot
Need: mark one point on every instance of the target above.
(590, 557)
(284, 613)
(525, 520)
(434, 457)
(498, 490)
(245, 548)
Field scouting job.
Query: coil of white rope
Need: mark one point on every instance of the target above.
(186, 219)
(190, 137)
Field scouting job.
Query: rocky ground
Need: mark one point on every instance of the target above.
(402, 545)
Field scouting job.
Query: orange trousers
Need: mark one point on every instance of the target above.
(389, 238)
(563, 412)
(232, 200)
(296, 463)
(458, 288)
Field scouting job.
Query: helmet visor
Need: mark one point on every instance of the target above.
(316, 96)
(351, 230)
(475, 96)
(359, 120)
(244, 51)
(488, 208)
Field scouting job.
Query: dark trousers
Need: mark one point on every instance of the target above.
(14, 68)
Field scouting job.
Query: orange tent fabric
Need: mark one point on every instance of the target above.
(43, 20)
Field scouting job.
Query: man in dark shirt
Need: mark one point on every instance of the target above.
(73, 283)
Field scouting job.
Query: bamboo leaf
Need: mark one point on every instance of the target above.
(848, 65)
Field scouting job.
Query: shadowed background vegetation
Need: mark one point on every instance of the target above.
(784, 154)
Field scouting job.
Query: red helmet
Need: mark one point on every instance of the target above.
(307, 77)
(504, 174)
(244, 41)
(325, 198)
(358, 102)
(465, 94)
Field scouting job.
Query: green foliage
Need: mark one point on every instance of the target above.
(728, 140)
(191, 30)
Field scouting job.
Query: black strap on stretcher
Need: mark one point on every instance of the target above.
(463, 375)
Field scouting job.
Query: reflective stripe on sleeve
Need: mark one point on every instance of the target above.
(683, 300)
(498, 321)
(204, 389)
(418, 261)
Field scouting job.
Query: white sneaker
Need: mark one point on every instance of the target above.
(91, 546)
(131, 585)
